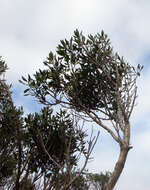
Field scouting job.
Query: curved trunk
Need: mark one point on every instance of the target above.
(118, 168)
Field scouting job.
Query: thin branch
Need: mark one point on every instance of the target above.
(46, 152)
(133, 103)
(92, 143)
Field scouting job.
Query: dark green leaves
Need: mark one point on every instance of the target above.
(57, 132)
(85, 72)
(25, 91)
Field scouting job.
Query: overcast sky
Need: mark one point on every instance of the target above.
(30, 29)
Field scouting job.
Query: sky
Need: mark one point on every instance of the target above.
(29, 30)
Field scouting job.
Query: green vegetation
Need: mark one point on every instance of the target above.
(89, 84)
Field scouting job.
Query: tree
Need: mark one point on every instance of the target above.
(87, 77)
(55, 144)
(8, 122)
(43, 146)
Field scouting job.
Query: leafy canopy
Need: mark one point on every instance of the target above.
(86, 74)
(56, 133)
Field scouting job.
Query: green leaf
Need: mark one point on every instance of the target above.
(51, 56)
(24, 79)
(26, 90)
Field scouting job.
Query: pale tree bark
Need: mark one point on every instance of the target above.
(124, 144)
(118, 168)
(124, 149)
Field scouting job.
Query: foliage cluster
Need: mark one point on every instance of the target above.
(88, 82)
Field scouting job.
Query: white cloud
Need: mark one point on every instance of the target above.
(29, 30)
(37, 27)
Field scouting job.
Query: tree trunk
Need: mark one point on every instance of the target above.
(118, 168)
